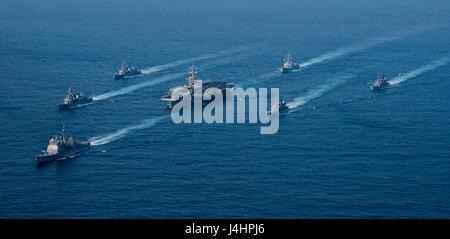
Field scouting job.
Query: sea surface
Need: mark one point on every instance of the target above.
(344, 152)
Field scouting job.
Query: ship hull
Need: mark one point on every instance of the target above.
(287, 70)
(222, 86)
(282, 110)
(42, 159)
(171, 103)
(377, 88)
(75, 105)
(121, 77)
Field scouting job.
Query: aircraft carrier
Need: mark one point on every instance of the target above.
(175, 94)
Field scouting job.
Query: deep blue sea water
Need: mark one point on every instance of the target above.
(346, 152)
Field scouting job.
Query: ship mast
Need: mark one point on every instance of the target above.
(63, 132)
(191, 77)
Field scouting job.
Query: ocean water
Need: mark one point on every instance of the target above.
(345, 152)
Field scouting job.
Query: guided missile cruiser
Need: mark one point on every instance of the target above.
(126, 71)
(289, 65)
(62, 146)
(176, 94)
(380, 83)
(74, 100)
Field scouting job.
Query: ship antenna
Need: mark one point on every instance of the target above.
(63, 131)
(191, 78)
(193, 71)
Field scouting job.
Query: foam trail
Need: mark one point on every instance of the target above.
(176, 63)
(421, 70)
(259, 78)
(359, 46)
(108, 138)
(151, 82)
(316, 93)
(363, 45)
(131, 88)
(190, 60)
(156, 81)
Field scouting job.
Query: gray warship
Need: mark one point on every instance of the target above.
(126, 71)
(289, 65)
(62, 146)
(280, 107)
(74, 100)
(190, 86)
(380, 83)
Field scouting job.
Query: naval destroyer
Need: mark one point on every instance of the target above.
(289, 65)
(62, 146)
(126, 71)
(174, 95)
(279, 106)
(74, 100)
(380, 83)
